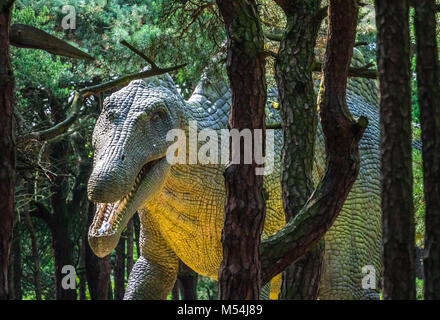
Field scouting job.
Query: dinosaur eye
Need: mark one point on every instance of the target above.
(158, 115)
(155, 116)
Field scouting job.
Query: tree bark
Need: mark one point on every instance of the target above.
(35, 257)
(7, 149)
(16, 266)
(61, 242)
(299, 118)
(129, 247)
(393, 60)
(341, 136)
(119, 269)
(97, 269)
(187, 282)
(175, 291)
(82, 269)
(429, 104)
(239, 274)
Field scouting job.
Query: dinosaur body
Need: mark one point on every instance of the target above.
(181, 205)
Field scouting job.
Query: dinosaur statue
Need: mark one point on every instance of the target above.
(181, 205)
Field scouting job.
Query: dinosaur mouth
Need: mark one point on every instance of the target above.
(109, 217)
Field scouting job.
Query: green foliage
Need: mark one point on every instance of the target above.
(37, 68)
(419, 289)
(206, 289)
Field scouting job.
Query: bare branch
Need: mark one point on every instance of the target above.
(274, 126)
(80, 95)
(24, 36)
(361, 43)
(268, 53)
(140, 54)
(321, 14)
(362, 72)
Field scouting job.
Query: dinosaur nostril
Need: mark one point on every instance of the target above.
(123, 157)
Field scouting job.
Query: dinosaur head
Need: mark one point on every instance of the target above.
(130, 165)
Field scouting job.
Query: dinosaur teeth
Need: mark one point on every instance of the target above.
(110, 215)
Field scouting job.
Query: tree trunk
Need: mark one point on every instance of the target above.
(110, 290)
(299, 118)
(392, 18)
(429, 104)
(16, 267)
(7, 151)
(35, 257)
(239, 274)
(129, 247)
(119, 269)
(185, 287)
(82, 269)
(341, 136)
(175, 291)
(97, 269)
(187, 280)
(80, 205)
(60, 222)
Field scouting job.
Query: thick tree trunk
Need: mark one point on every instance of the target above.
(299, 118)
(7, 151)
(119, 269)
(392, 18)
(341, 136)
(239, 274)
(428, 82)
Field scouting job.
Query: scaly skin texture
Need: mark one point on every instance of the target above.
(181, 205)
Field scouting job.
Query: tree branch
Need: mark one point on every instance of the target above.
(24, 36)
(274, 35)
(362, 72)
(321, 14)
(274, 126)
(80, 95)
(42, 212)
(140, 54)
